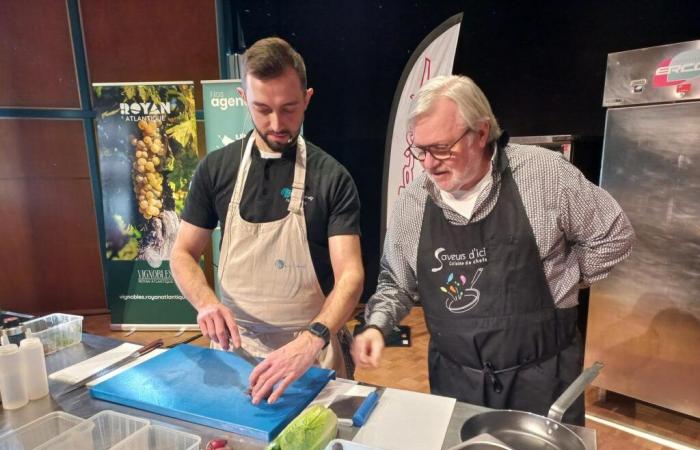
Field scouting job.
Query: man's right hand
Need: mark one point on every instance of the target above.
(217, 322)
(367, 348)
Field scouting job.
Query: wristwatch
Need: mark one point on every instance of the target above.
(320, 330)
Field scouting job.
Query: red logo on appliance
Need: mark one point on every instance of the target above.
(678, 70)
(683, 88)
(661, 75)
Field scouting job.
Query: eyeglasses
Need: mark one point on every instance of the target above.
(440, 151)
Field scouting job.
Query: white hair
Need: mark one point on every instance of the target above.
(471, 102)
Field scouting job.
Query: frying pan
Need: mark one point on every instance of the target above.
(523, 430)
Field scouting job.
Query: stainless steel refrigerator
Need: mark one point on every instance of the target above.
(644, 319)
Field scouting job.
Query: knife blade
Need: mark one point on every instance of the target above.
(186, 341)
(243, 353)
(102, 372)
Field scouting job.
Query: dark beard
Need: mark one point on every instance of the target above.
(276, 146)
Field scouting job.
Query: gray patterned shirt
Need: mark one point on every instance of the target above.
(581, 231)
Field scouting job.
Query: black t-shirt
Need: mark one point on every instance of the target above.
(331, 202)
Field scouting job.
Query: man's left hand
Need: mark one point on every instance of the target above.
(284, 365)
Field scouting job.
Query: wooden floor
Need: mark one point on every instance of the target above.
(406, 368)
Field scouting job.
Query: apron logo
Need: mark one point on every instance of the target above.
(475, 256)
(437, 256)
(286, 194)
(460, 298)
(281, 264)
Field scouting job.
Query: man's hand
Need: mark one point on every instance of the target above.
(367, 348)
(217, 322)
(284, 365)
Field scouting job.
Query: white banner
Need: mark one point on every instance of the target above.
(434, 56)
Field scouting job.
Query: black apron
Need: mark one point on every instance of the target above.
(497, 339)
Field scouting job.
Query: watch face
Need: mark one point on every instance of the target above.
(319, 329)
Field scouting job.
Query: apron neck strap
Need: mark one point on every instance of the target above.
(296, 201)
(242, 171)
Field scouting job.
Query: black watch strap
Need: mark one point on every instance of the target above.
(320, 330)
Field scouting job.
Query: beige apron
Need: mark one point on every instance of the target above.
(267, 275)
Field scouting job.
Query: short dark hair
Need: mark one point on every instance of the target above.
(268, 58)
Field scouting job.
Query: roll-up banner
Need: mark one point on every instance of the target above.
(434, 56)
(147, 150)
(226, 120)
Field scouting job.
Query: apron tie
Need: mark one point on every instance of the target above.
(491, 374)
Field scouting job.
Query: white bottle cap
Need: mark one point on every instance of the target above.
(30, 342)
(4, 340)
(8, 349)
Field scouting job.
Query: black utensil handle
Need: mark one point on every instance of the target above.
(186, 341)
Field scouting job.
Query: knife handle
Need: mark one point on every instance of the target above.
(362, 414)
(149, 347)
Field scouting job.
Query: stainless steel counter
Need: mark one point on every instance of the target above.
(80, 403)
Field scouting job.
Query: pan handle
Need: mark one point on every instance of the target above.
(556, 412)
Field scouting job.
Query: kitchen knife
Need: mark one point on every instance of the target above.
(186, 341)
(243, 353)
(345, 406)
(363, 412)
(102, 372)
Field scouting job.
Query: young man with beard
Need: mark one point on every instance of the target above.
(290, 267)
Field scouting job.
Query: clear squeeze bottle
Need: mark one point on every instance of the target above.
(12, 384)
(32, 351)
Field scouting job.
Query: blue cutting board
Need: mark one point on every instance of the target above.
(208, 387)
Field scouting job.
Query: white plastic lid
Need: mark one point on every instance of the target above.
(8, 349)
(30, 342)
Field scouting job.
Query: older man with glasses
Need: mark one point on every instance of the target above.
(495, 241)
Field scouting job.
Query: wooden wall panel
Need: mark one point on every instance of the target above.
(49, 253)
(31, 148)
(201, 144)
(37, 67)
(158, 40)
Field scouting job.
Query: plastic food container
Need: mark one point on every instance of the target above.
(112, 427)
(155, 437)
(106, 429)
(77, 438)
(57, 331)
(342, 444)
(40, 432)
